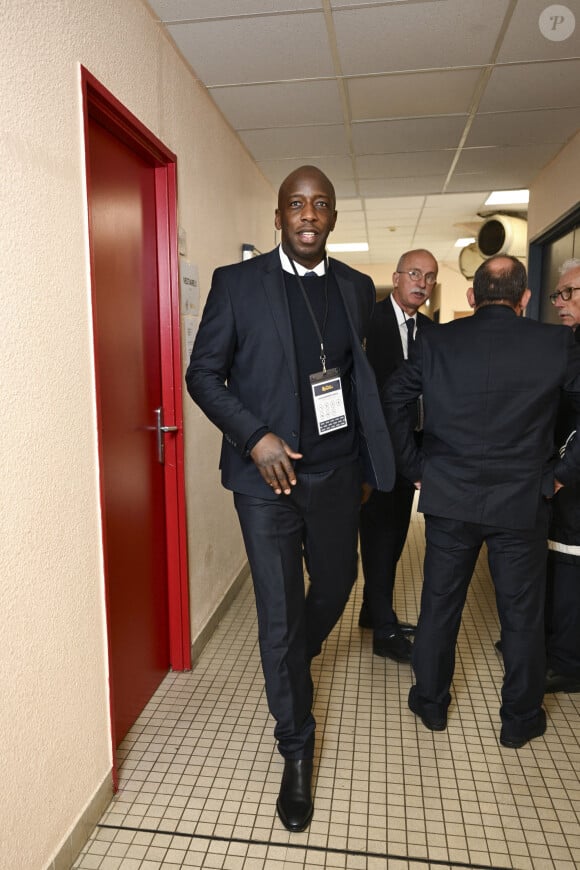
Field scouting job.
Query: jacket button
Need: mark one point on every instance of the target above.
(295, 434)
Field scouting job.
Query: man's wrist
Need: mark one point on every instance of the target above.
(254, 438)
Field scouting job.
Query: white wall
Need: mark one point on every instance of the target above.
(555, 190)
(54, 719)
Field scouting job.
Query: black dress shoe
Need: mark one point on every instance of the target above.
(561, 683)
(516, 741)
(294, 802)
(498, 646)
(407, 628)
(396, 647)
(364, 617)
(433, 723)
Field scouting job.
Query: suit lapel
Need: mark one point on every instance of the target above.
(394, 330)
(277, 300)
(351, 300)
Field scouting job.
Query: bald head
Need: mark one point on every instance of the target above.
(306, 174)
(500, 279)
(306, 214)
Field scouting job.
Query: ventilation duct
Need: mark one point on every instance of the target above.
(469, 260)
(503, 234)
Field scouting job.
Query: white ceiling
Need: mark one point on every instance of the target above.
(416, 109)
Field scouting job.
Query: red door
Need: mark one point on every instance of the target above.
(122, 207)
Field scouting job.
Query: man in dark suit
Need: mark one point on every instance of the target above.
(563, 589)
(385, 516)
(491, 385)
(278, 365)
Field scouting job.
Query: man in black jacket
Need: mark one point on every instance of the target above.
(278, 366)
(563, 588)
(385, 516)
(491, 384)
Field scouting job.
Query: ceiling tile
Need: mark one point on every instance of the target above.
(456, 203)
(354, 205)
(524, 40)
(531, 86)
(252, 106)
(401, 186)
(338, 169)
(267, 49)
(393, 203)
(312, 141)
(412, 71)
(417, 35)
(531, 156)
(408, 134)
(178, 10)
(404, 165)
(404, 219)
(524, 128)
(412, 95)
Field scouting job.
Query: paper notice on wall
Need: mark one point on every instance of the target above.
(190, 324)
(189, 287)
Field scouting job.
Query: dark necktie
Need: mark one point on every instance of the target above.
(310, 275)
(411, 330)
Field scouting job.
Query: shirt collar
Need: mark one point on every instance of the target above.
(320, 269)
(400, 314)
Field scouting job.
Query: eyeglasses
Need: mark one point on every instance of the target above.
(565, 293)
(417, 275)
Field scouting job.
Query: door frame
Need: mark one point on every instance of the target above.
(561, 226)
(100, 105)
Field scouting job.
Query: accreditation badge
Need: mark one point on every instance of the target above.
(328, 401)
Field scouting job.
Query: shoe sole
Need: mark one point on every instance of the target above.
(517, 744)
(393, 658)
(437, 725)
(433, 726)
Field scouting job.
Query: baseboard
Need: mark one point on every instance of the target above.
(79, 836)
(205, 634)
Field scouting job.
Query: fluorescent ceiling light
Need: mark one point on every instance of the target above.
(463, 243)
(508, 197)
(348, 246)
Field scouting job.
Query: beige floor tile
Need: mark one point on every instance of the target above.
(200, 768)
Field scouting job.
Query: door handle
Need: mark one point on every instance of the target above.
(160, 429)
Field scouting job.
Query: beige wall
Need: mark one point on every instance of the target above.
(54, 713)
(555, 190)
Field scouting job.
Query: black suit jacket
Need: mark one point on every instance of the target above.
(491, 385)
(243, 372)
(384, 346)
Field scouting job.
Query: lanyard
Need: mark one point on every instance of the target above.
(319, 333)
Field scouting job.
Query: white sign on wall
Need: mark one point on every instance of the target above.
(189, 287)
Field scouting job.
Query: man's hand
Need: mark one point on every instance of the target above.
(417, 484)
(272, 458)
(557, 486)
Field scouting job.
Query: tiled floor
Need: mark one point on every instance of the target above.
(199, 773)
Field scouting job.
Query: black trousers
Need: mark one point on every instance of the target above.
(317, 522)
(517, 562)
(563, 616)
(383, 526)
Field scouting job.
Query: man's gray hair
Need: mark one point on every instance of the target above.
(568, 265)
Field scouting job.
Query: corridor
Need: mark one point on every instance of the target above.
(199, 773)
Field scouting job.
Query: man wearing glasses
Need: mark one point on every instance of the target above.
(491, 385)
(384, 517)
(563, 588)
